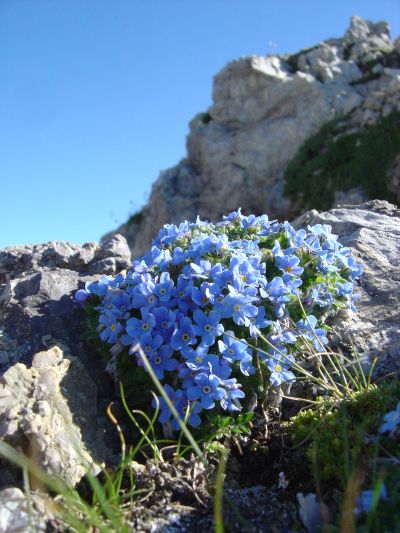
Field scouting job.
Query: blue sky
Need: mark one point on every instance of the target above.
(96, 95)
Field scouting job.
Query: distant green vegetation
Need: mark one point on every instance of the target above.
(332, 160)
(136, 218)
(293, 59)
(206, 118)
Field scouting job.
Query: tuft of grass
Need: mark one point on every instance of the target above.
(342, 433)
(333, 160)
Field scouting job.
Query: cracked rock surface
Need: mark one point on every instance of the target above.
(47, 412)
(372, 232)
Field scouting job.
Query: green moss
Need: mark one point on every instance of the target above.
(292, 60)
(332, 160)
(206, 118)
(338, 439)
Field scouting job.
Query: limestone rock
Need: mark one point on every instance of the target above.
(264, 108)
(367, 40)
(49, 412)
(372, 232)
(111, 255)
(19, 514)
(37, 285)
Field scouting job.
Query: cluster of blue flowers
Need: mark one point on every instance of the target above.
(215, 305)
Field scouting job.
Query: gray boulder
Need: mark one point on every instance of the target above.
(20, 513)
(48, 402)
(48, 412)
(109, 257)
(37, 284)
(372, 232)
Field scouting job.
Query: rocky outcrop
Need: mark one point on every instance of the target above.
(48, 405)
(90, 258)
(19, 513)
(37, 283)
(48, 413)
(372, 232)
(49, 400)
(264, 108)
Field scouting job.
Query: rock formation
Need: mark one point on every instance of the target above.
(52, 405)
(38, 407)
(372, 232)
(264, 109)
(49, 400)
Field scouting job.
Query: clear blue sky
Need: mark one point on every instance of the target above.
(96, 95)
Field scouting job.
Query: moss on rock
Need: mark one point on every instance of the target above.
(334, 160)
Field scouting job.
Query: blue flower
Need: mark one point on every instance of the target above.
(157, 256)
(195, 355)
(258, 323)
(164, 321)
(237, 306)
(321, 296)
(184, 407)
(365, 499)
(309, 332)
(354, 267)
(81, 296)
(233, 394)
(136, 327)
(162, 360)
(206, 294)
(163, 289)
(281, 335)
(212, 364)
(278, 365)
(231, 348)
(207, 390)
(277, 292)
(120, 305)
(207, 326)
(150, 344)
(179, 256)
(392, 420)
(112, 327)
(100, 287)
(165, 413)
(184, 335)
(234, 216)
(170, 233)
(184, 293)
(243, 271)
(289, 264)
